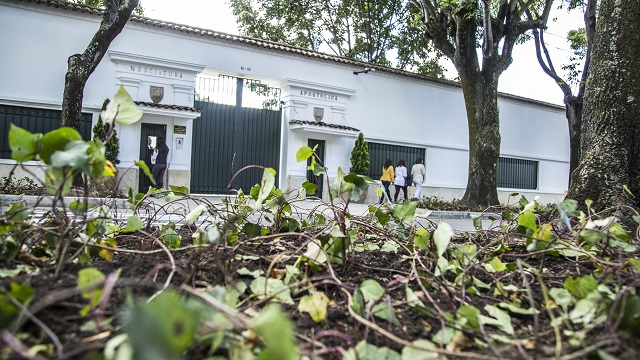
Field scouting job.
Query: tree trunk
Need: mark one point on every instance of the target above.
(573, 109)
(610, 139)
(81, 66)
(480, 91)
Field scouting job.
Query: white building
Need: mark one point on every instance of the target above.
(401, 114)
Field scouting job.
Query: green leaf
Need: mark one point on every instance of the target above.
(500, 319)
(477, 222)
(405, 212)
(162, 328)
(371, 290)
(442, 236)
(252, 230)
(57, 140)
(528, 220)
(366, 351)
(421, 238)
(409, 353)
(143, 166)
(74, 155)
(88, 277)
(8, 311)
(180, 190)
(360, 185)
(412, 298)
(263, 287)
(315, 305)
(277, 332)
(495, 265)
(309, 188)
(517, 309)
(315, 253)
(303, 153)
(562, 297)
(97, 160)
(133, 224)
(194, 214)
(24, 145)
(121, 109)
(339, 185)
(471, 314)
(170, 237)
(266, 186)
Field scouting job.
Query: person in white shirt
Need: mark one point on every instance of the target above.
(418, 174)
(400, 181)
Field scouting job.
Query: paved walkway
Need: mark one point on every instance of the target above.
(174, 211)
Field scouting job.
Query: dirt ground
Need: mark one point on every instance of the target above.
(57, 301)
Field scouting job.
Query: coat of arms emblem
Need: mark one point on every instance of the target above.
(318, 113)
(156, 93)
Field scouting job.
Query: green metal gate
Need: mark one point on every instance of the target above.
(240, 126)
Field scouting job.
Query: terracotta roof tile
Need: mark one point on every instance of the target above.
(323, 124)
(271, 45)
(168, 107)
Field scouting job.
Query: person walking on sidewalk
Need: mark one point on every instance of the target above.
(401, 182)
(387, 179)
(418, 174)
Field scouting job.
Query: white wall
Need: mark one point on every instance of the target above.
(386, 107)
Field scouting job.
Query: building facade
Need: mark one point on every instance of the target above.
(225, 102)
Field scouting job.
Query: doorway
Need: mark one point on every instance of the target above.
(318, 180)
(149, 135)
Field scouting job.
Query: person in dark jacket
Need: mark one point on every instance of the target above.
(160, 165)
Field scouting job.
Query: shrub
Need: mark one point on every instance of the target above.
(360, 157)
(101, 131)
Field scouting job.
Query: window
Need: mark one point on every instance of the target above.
(379, 153)
(517, 173)
(36, 121)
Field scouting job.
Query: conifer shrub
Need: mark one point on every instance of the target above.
(360, 157)
(112, 147)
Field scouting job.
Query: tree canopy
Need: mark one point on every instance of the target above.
(374, 32)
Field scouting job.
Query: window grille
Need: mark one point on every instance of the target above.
(517, 173)
(379, 153)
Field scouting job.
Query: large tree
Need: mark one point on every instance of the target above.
(610, 141)
(478, 36)
(373, 32)
(115, 15)
(581, 42)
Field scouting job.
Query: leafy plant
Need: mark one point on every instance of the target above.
(109, 137)
(360, 157)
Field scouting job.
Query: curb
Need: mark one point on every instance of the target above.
(47, 201)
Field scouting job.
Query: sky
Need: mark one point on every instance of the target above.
(523, 78)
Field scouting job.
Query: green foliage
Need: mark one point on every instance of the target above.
(17, 187)
(349, 28)
(139, 10)
(360, 157)
(19, 293)
(162, 328)
(109, 137)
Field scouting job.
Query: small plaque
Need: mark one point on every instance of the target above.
(179, 129)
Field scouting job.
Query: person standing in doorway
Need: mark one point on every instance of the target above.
(418, 174)
(160, 165)
(401, 182)
(387, 179)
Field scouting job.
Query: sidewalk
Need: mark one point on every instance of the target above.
(459, 220)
